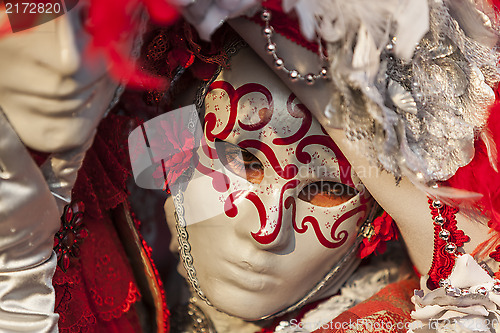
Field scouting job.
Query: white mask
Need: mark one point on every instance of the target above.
(267, 223)
(53, 97)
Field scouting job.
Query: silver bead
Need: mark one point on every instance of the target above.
(282, 325)
(444, 234)
(294, 75)
(464, 292)
(309, 78)
(439, 219)
(452, 291)
(267, 31)
(450, 247)
(271, 47)
(444, 283)
(437, 204)
(389, 47)
(266, 15)
(482, 291)
(278, 63)
(496, 287)
(324, 71)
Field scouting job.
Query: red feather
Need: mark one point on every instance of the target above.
(480, 176)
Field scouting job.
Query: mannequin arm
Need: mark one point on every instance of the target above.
(29, 218)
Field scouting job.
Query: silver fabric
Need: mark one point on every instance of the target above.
(419, 118)
(29, 218)
(60, 171)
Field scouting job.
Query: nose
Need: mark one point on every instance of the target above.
(59, 44)
(271, 227)
(69, 44)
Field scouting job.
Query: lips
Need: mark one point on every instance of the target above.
(70, 89)
(250, 277)
(57, 106)
(64, 104)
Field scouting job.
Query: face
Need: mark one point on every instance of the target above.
(53, 97)
(272, 204)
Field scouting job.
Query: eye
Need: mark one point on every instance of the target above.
(240, 161)
(327, 194)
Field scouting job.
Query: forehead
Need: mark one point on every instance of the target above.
(248, 105)
(252, 99)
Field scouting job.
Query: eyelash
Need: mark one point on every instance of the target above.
(240, 161)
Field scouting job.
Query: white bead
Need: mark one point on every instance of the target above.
(309, 78)
(450, 247)
(481, 291)
(294, 75)
(444, 234)
(271, 47)
(266, 15)
(437, 204)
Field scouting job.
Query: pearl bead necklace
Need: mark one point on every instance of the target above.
(293, 74)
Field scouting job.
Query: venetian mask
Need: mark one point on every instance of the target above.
(271, 204)
(52, 95)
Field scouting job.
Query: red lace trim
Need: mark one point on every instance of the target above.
(69, 277)
(82, 325)
(133, 296)
(443, 261)
(93, 295)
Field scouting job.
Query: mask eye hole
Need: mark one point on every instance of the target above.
(240, 161)
(327, 193)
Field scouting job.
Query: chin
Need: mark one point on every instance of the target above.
(58, 139)
(247, 305)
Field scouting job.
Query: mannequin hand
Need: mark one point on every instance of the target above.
(29, 218)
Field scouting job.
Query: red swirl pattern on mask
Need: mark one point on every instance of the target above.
(265, 114)
(234, 97)
(299, 111)
(324, 140)
(209, 151)
(220, 181)
(338, 238)
(288, 172)
(231, 210)
(260, 236)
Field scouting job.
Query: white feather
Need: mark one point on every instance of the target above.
(333, 19)
(412, 24)
(491, 148)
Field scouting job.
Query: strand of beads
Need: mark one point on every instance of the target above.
(478, 290)
(447, 239)
(444, 234)
(293, 74)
